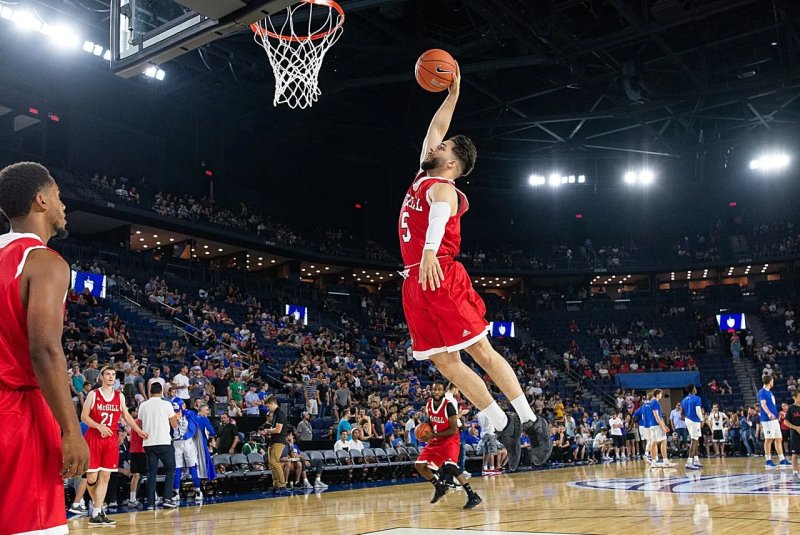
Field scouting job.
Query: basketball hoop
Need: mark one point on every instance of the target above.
(296, 59)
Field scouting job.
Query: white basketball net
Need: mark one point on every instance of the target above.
(297, 59)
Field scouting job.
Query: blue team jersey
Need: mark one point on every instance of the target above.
(689, 405)
(638, 415)
(647, 414)
(655, 406)
(769, 397)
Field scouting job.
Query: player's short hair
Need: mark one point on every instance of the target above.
(451, 386)
(107, 368)
(466, 153)
(795, 394)
(657, 391)
(439, 382)
(766, 379)
(19, 184)
(270, 399)
(690, 388)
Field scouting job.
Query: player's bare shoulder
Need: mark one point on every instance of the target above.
(44, 267)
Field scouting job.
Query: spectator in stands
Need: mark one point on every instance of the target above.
(222, 389)
(92, 372)
(342, 398)
(377, 427)
(305, 432)
(311, 395)
(601, 445)
(181, 384)
(750, 428)
(344, 441)
(227, 435)
(301, 465)
(355, 442)
(323, 395)
(198, 384)
(156, 378)
(344, 423)
(252, 401)
(234, 410)
(237, 389)
(676, 446)
(676, 418)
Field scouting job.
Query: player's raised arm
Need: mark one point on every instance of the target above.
(440, 123)
(47, 279)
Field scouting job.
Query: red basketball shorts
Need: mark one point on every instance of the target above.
(447, 319)
(103, 452)
(436, 455)
(31, 488)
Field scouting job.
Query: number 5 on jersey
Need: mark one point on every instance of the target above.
(404, 226)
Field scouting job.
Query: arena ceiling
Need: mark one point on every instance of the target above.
(583, 78)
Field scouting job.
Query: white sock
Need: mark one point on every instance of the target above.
(496, 416)
(96, 512)
(768, 456)
(781, 457)
(523, 408)
(696, 459)
(76, 504)
(133, 495)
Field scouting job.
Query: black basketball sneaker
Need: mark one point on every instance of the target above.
(509, 437)
(541, 445)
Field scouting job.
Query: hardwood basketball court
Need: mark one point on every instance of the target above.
(729, 496)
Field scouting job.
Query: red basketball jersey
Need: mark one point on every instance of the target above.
(437, 417)
(105, 412)
(413, 223)
(16, 368)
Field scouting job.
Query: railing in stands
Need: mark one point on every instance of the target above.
(181, 325)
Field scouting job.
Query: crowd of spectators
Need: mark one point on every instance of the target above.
(631, 349)
(776, 239)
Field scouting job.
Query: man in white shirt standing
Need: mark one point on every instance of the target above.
(181, 384)
(156, 378)
(615, 423)
(158, 419)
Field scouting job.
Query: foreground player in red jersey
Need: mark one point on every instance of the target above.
(444, 313)
(443, 447)
(40, 438)
(102, 411)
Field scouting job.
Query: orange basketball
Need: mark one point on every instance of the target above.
(422, 431)
(434, 70)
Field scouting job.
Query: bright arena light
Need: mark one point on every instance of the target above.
(26, 20)
(643, 177)
(771, 162)
(555, 180)
(536, 180)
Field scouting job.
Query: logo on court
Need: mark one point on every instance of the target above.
(769, 483)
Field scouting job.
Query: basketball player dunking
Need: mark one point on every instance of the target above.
(102, 411)
(443, 447)
(444, 313)
(40, 436)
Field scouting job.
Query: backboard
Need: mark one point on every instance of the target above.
(152, 32)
